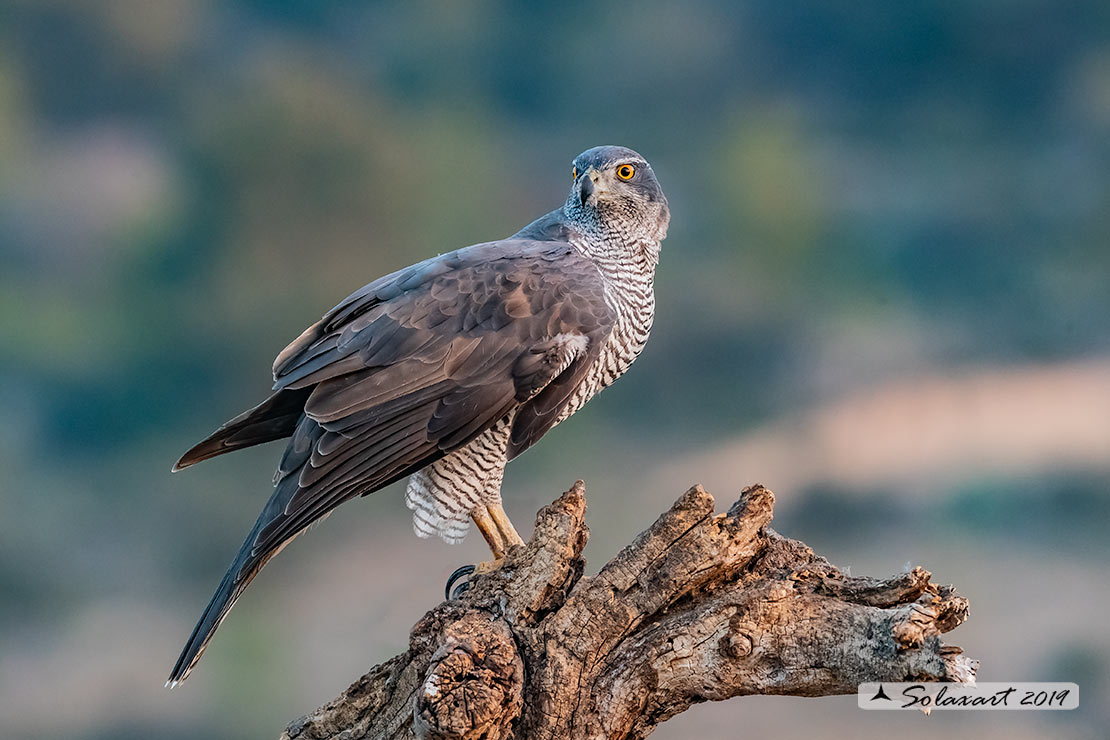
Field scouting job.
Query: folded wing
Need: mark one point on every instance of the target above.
(411, 367)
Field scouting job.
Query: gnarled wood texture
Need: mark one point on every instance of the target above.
(700, 607)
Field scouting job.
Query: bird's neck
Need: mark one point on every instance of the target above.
(625, 253)
(629, 242)
(622, 256)
(620, 249)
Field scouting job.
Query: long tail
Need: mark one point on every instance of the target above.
(231, 587)
(274, 418)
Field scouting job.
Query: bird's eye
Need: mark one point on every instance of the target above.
(626, 171)
(574, 173)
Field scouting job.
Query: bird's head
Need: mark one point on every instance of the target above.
(615, 191)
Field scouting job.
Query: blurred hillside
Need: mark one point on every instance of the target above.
(884, 295)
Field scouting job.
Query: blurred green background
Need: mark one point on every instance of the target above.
(884, 295)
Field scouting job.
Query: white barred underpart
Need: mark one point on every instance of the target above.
(443, 495)
(628, 268)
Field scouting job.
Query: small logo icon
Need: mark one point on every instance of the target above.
(880, 694)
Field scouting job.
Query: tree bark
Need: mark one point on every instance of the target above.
(700, 607)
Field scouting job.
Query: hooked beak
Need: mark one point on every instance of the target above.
(587, 185)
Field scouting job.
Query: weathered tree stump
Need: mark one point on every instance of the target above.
(700, 607)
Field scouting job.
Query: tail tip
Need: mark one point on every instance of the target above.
(183, 463)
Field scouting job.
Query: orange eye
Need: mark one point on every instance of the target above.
(626, 171)
(574, 173)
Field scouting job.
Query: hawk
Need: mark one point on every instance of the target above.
(446, 370)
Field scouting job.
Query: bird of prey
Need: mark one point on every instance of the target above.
(446, 370)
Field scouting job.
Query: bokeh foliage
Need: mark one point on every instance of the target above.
(860, 192)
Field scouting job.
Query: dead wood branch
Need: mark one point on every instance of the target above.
(700, 607)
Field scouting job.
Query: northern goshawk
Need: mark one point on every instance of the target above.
(448, 369)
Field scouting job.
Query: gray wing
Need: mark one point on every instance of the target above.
(418, 364)
(413, 366)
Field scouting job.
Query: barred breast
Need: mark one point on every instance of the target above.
(442, 495)
(630, 291)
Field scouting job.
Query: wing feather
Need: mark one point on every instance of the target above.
(411, 367)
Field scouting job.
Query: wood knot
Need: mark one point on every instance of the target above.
(738, 645)
(474, 684)
(912, 625)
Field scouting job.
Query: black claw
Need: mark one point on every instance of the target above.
(461, 589)
(464, 570)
